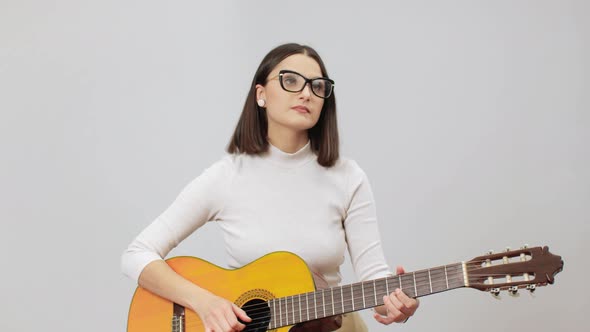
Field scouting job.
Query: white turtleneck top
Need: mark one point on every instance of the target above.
(276, 201)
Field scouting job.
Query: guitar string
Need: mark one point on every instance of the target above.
(420, 283)
(265, 320)
(254, 310)
(418, 276)
(288, 314)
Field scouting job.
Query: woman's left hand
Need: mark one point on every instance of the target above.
(398, 307)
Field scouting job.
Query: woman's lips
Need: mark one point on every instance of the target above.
(300, 109)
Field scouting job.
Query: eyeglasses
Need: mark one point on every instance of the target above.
(294, 82)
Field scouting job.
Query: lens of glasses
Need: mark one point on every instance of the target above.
(294, 82)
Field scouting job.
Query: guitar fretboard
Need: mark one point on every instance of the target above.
(327, 302)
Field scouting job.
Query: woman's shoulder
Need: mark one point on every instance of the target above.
(347, 172)
(348, 166)
(230, 163)
(222, 168)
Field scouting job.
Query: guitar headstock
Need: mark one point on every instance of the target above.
(513, 269)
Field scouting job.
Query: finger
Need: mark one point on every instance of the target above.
(408, 302)
(399, 270)
(393, 313)
(389, 317)
(399, 304)
(222, 322)
(382, 319)
(241, 313)
(232, 322)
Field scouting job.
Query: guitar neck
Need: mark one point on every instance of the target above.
(327, 302)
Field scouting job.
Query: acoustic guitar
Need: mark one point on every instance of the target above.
(277, 290)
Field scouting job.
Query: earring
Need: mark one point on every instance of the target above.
(261, 102)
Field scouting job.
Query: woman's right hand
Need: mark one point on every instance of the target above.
(219, 314)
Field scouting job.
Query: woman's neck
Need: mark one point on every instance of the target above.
(288, 141)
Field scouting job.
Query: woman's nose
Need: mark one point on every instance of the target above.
(306, 92)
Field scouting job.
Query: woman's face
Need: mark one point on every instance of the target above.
(295, 111)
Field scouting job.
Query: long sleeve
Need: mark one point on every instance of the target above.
(362, 230)
(200, 201)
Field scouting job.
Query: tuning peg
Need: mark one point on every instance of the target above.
(507, 249)
(525, 246)
(495, 292)
(531, 288)
(513, 290)
(489, 252)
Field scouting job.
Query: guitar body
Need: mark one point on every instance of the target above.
(275, 275)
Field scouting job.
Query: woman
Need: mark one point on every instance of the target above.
(282, 187)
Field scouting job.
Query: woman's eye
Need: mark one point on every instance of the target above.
(318, 86)
(290, 80)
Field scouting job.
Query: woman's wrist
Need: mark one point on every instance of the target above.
(194, 296)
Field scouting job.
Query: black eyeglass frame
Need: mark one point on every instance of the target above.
(307, 80)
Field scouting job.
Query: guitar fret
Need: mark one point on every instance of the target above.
(293, 306)
(307, 304)
(300, 319)
(274, 312)
(375, 291)
(300, 308)
(363, 295)
(280, 313)
(287, 309)
(315, 305)
(430, 280)
(352, 296)
(342, 297)
(332, 293)
(324, 302)
(387, 285)
(446, 277)
(415, 288)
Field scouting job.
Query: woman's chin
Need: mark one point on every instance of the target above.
(302, 125)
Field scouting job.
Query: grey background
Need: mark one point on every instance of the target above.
(471, 119)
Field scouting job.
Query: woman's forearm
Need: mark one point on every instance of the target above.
(160, 279)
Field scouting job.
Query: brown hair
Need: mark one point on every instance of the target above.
(252, 129)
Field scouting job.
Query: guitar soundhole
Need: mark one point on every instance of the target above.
(259, 311)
